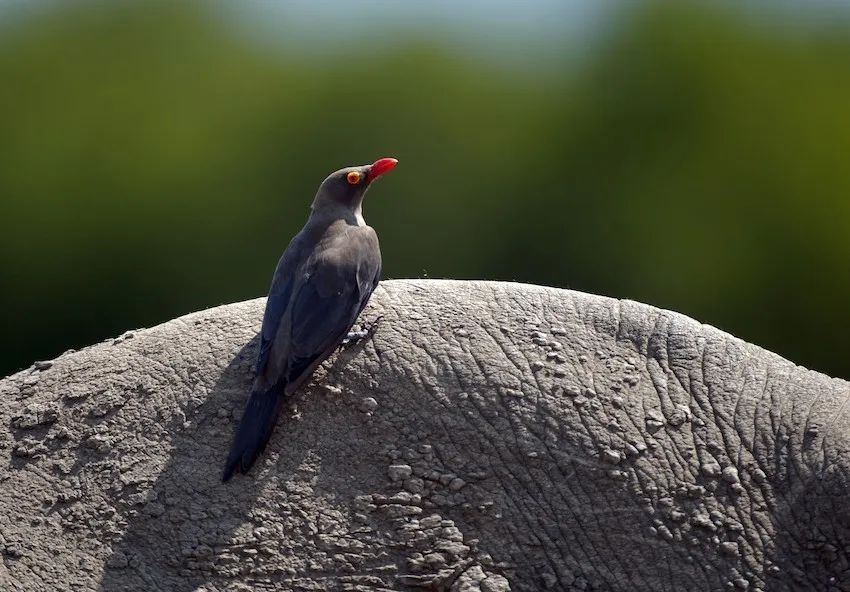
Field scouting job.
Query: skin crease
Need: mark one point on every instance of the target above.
(489, 436)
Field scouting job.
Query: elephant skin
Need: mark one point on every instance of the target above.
(489, 437)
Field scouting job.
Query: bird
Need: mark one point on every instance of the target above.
(322, 282)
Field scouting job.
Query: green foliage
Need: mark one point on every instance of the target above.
(153, 161)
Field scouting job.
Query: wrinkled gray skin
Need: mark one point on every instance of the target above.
(489, 437)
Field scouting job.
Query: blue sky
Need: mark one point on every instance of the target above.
(517, 18)
(491, 27)
(530, 25)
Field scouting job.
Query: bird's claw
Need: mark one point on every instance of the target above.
(355, 336)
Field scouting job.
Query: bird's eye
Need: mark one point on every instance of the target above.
(353, 177)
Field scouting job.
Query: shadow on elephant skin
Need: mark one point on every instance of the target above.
(812, 521)
(193, 529)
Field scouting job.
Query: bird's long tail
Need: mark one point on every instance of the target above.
(254, 430)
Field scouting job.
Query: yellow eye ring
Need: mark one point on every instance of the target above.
(353, 177)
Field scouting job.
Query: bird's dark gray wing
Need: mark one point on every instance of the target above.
(280, 293)
(328, 303)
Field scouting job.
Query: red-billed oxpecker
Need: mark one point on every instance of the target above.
(321, 284)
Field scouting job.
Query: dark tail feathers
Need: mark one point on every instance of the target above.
(254, 430)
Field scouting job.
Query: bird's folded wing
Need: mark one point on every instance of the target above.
(320, 320)
(279, 296)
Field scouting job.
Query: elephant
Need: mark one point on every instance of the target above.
(488, 437)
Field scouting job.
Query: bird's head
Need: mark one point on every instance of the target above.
(345, 188)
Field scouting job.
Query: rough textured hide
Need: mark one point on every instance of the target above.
(489, 437)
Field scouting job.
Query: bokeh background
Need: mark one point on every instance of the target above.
(155, 158)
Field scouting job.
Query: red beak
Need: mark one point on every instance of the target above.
(379, 167)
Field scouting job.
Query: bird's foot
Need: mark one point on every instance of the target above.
(354, 337)
(357, 336)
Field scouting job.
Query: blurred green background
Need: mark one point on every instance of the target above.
(155, 158)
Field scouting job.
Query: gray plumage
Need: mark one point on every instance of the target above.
(322, 282)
